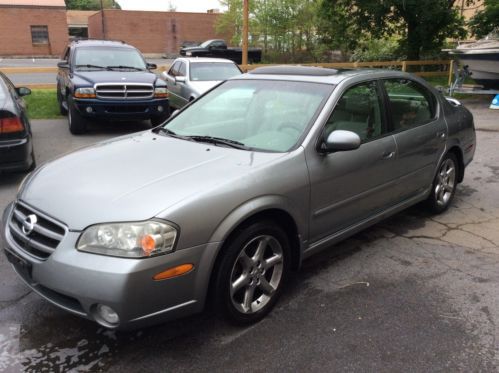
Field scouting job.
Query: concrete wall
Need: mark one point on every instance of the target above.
(153, 32)
(15, 30)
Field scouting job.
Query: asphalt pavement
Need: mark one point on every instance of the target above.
(415, 293)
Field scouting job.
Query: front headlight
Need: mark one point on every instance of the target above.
(85, 93)
(160, 92)
(129, 240)
(188, 53)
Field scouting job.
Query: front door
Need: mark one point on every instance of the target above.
(349, 186)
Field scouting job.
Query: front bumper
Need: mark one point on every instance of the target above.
(16, 154)
(78, 281)
(123, 110)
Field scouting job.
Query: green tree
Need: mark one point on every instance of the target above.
(91, 4)
(486, 20)
(423, 25)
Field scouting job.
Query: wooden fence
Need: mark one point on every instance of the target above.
(439, 67)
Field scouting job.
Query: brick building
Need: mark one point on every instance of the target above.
(32, 27)
(153, 32)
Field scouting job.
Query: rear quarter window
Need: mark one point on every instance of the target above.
(410, 103)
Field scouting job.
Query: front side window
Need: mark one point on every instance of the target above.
(259, 114)
(40, 34)
(174, 69)
(358, 110)
(411, 104)
(95, 57)
(182, 70)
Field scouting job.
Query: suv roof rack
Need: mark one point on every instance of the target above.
(77, 40)
(294, 70)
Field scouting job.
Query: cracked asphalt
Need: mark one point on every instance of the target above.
(414, 293)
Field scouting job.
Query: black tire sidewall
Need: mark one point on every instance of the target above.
(76, 123)
(222, 297)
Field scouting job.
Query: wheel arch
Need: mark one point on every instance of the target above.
(246, 215)
(458, 153)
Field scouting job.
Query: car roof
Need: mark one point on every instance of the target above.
(100, 43)
(320, 74)
(204, 59)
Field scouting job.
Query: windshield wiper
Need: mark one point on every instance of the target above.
(219, 140)
(168, 132)
(124, 67)
(91, 66)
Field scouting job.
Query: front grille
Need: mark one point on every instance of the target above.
(128, 91)
(42, 241)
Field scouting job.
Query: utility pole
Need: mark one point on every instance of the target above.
(103, 22)
(245, 31)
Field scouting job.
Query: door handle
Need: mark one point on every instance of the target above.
(441, 134)
(387, 155)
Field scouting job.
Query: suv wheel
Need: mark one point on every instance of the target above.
(252, 272)
(156, 121)
(62, 109)
(444, 184)
(77, 124)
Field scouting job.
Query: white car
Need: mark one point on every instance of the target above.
(189, 78)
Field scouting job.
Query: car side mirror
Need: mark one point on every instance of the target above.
(151, 66)
(180, 79)
(63, 64)
(341, 140)
(23, 91)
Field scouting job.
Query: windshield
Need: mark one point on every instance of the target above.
(265, 115)
(109, 57)
(206, 71)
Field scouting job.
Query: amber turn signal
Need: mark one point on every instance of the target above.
(174, 272)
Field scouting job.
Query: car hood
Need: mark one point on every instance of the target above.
(134, 178)
(105, 76)
(202, 87)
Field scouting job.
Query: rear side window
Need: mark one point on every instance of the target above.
(411, 104)
(358, 110)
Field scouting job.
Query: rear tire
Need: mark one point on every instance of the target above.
(77, 124)
(444, 185)
(252, 273)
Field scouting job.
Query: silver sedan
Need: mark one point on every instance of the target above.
(189, 78)
(224, 200)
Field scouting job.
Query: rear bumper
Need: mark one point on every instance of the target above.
(15, 154)
(122, 110)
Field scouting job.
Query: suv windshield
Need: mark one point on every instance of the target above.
(206, 71)
(109, 57)
(267, 115)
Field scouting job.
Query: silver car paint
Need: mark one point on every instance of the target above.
(208, 191)
(181, 93)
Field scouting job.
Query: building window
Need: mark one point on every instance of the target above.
(40, 34)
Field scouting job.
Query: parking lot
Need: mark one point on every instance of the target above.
(414, 293)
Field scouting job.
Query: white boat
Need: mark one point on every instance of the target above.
(482, 59)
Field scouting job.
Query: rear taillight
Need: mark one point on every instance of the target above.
(11, 125)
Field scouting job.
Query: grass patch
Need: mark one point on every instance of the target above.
(42, 104)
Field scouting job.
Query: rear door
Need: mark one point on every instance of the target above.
(420, 133)
(349, 186)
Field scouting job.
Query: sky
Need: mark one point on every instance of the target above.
(164, 5)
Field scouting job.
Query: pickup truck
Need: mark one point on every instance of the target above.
(110, 80)
(218, 48)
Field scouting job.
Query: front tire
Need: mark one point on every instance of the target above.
(252, 273)
(444, 185)
(77, 124)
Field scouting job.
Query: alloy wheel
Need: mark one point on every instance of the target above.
(446, 182)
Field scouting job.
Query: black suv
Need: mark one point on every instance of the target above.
(108, 80)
